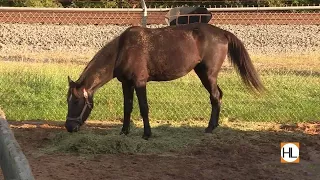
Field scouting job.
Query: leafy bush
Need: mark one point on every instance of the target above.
(41, 3)
(30, 3)
(97, 4)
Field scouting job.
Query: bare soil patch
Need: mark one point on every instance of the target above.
(232, 152)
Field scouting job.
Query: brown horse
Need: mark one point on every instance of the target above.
(140, 55)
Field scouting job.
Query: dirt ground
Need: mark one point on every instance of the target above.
(255, 155)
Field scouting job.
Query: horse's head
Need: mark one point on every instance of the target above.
(80, 104)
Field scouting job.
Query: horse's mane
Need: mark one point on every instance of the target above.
(103, 58)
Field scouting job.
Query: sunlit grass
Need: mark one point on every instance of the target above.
(307, 61)
(38, 91)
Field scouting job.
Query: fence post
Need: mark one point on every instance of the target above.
(144, 15)
(13, 162)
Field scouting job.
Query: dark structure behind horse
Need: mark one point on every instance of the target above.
(188, 15)
(140, 55)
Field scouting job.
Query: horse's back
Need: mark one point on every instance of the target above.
(166, 53)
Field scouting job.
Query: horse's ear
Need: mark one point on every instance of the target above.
(69, 79)
(72, 84)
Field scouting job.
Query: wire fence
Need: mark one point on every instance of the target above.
(41, 47)
(155, 16)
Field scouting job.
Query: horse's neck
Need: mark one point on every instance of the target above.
(97, 75)
(100, 69)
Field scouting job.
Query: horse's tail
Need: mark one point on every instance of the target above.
(239, 57)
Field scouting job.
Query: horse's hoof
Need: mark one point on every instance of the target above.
(125, 132)
(145, 136)
(208, 130)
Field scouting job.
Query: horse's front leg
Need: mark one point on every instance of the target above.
(144, 109)
(127, 90)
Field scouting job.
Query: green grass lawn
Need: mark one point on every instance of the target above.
(38, 91)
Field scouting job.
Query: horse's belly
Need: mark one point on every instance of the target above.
(171, 71)
(166, 77)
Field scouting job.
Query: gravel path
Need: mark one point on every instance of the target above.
(38, 41)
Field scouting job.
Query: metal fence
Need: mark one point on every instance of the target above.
(40, 47)
(127, 16)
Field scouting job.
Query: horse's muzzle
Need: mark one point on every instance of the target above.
(72, 127)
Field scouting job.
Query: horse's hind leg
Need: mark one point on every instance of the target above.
(127, 90)
(209, 81)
